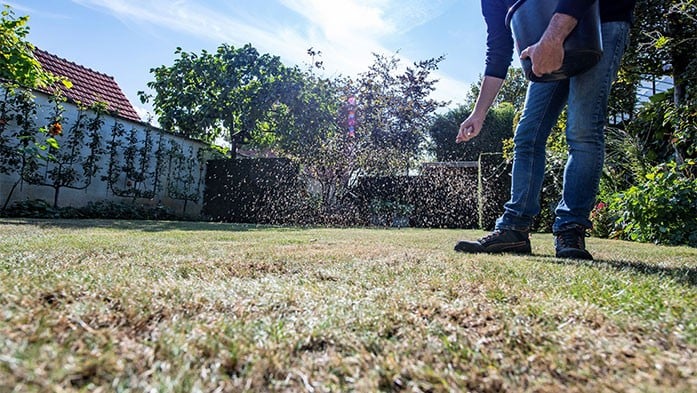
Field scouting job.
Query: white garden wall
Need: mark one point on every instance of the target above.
(138, 163)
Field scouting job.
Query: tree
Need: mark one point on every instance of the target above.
(307, 114)
(223, 94)
(17, 64)
(20, 71)
(394, 111)
(185, 176)
(134, 164)
(663, 39)
(19, 148)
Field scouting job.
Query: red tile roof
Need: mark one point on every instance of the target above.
(88, 85)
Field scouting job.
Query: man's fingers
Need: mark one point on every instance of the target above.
(525, 53)
(465, 134)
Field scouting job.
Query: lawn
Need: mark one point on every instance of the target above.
(164, 306)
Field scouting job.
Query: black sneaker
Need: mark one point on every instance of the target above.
(501, 240)
(571, 243)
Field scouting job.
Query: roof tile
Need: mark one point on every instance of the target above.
(88, 85)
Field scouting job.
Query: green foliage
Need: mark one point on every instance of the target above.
(683, 121)
(392, 112)
(653, 130)
(310, 113)
(17, 62)
(131, 173)
(643, 56)
(654, 136)
(37, 208)
(138, 164)
(20, 144)
(228, 93)
(18, 131)
(130, 211)
(662, 208)
(623, 97)
(661, 44)
(497, 128)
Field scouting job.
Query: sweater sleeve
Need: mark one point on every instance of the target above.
(499, 40)
(574, 8)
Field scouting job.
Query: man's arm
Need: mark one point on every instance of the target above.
(499, 51)
(473, 124)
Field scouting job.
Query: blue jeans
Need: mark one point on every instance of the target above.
(587, 98)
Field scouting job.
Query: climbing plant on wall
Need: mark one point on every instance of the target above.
(185, 175)
(19, 145)
(114, 150)
(132, 172)
(73, 161)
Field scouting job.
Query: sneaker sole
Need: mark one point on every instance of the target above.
(512, 248)
(574, 253)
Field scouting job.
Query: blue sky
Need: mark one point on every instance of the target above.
(126, 38)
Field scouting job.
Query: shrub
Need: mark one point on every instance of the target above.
(103, 209)
(114, 210)
(35, 208)
(603, 219)
(662, 209)
(497, 128)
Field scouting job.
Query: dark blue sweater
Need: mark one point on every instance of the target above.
(499, 41)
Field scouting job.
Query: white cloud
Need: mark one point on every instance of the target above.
(345, 20)
(347, 32)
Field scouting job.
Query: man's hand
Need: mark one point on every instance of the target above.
(547, 55)
(473, 124)
(469, 129)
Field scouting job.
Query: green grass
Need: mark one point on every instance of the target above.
(137, 306)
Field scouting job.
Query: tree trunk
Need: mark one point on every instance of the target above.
(680, 63)
(233, 140)
(9, 196)
(55, 197)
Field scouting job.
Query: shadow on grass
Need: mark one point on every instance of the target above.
(684, 275)
(144, 225)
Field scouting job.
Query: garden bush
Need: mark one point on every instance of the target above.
(661, 209)
(38, 208)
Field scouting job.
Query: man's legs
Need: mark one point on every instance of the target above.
(587, 98)
(587, 116)
(543, 103)
(585, 131)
